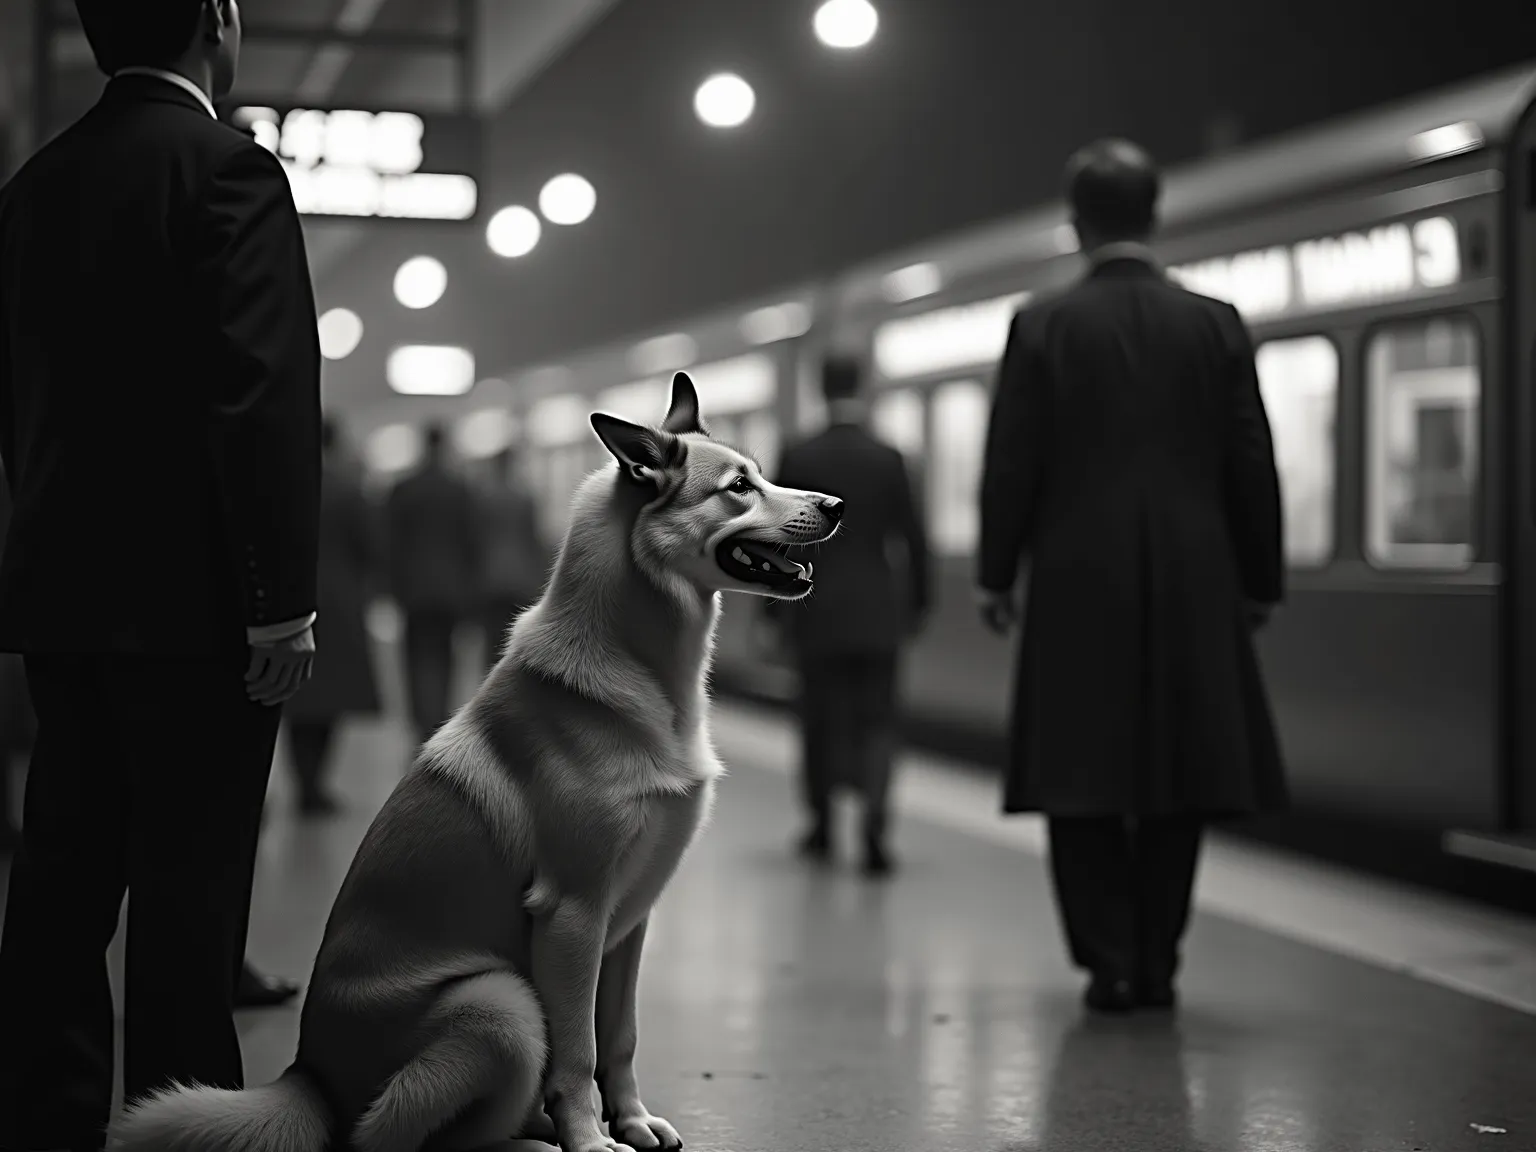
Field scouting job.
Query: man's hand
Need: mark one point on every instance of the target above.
(997, 610)
(278, 670)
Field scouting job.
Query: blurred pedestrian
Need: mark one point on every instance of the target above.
(1129, 460)
(848, 635)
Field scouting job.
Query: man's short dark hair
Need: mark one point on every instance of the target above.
(840, 378)
(1113, 187)
(148, 33)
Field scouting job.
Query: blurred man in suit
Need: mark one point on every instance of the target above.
(514, 561)
(160, 425)
(1129, 457)
(434, 572)
(847, 635)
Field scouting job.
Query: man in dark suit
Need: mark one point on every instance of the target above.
(160, 424)
(846, 636)
(434, 572)
(1129, 457)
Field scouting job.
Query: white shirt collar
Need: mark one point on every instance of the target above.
(1124, 250)
(175, 78)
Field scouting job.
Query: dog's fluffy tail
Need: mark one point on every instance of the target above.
(287, 1115)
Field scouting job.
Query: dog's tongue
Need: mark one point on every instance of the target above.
(765, 559)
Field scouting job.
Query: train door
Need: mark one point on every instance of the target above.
(1520, 699)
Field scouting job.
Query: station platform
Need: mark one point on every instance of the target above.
(788, 1008)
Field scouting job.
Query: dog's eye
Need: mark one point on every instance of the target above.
(741, 486)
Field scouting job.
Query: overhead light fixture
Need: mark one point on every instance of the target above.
(1446, 140)
(846, 24)
(484, 433)
(663, 354)
(567, 199)
(514, 231)
(724, 100)
(420, 282)
(775, 322)
(912, 282)
(341, 331)
(557, 420)
(392, 448)
(430, 370)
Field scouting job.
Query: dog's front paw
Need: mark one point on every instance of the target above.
(639, 1128)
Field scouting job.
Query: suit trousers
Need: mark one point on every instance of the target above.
(148, 778)
(429, 667)
(849, 732)
(1123, 888)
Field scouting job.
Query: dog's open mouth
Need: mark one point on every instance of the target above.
(754, 562)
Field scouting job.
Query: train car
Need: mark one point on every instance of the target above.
(1384, 265)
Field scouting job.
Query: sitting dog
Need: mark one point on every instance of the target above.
(486, 941)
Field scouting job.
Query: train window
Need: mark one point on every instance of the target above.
(1300, 382)
(1424, 390)
(897, 416)
(960, 410)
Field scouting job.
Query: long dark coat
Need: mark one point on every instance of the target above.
(1129, 459)
(344, 681)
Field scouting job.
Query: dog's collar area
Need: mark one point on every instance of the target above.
(755, 562)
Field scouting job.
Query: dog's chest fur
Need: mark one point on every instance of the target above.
(667, 826)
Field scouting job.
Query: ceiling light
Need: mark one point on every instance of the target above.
(912, 282)
(340, 332)
(393, 448)
(775, 322)
(484, 433)
(846, 23)
(567, 199)
(663, 354)
(725, 100)
(1446, 140)
(430, 370)
(513, 232)
(420, 282)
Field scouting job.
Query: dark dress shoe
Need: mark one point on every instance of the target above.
(877, 861)
(1157, 994)
(816, 845)
(1110, 995)
(258, 991)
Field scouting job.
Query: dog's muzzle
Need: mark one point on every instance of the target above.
(755, 562)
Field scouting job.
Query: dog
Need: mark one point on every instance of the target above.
(486, 941)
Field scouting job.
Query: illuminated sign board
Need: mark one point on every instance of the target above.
(382, 164)
(1392, 262)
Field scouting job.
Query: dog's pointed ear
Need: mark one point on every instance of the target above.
(642, 452)
(683, 415)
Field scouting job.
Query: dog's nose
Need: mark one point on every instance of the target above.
(832, 508)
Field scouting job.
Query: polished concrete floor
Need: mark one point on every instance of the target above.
(785, 1009)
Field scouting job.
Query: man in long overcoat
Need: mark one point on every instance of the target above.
(1129, 459)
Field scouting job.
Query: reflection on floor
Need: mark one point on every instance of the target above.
(789, 1010)
(784, 1009)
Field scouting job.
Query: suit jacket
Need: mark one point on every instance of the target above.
(350, 569)
(1129, 457)
(159, 385)
(866, 602)
(434, 542)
